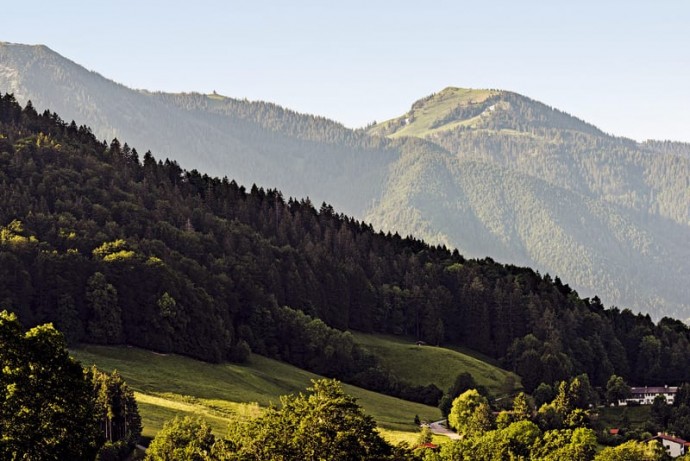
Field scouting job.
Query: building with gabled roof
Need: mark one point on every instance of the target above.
(646, 395)
(674, 446)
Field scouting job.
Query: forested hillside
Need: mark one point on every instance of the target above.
(489, 172)
(116, 247)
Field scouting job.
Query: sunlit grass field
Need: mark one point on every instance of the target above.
(612, 417)
(170, 385)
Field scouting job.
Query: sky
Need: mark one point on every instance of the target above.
(621, 65)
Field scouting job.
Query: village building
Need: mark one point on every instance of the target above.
(646, 395)
(427, 446)
(674, 446)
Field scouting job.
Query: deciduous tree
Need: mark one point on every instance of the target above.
(325, 424)
(471, 413)
(47, 404)
(616, 390)
(183, 439)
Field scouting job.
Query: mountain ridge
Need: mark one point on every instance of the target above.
(643, 189)
(218, 142)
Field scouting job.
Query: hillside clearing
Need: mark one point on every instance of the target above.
(421, 365)
(170, 385)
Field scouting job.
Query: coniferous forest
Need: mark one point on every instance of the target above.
(115, 247)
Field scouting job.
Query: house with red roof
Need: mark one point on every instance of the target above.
(674, 446)
(427, 445)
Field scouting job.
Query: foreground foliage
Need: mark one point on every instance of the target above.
(184, 439)
(117, 413)
(46, 400)
(325, 424)
(52, 408)
(558, 431)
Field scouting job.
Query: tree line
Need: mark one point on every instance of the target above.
(54, 409)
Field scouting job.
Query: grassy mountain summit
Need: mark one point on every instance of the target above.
(490, 172)
(445, 110)
(471, 109)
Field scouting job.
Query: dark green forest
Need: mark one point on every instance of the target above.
(120, 248)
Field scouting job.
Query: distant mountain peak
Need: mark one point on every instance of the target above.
(446, 109)
(34, 50)
(485, 109)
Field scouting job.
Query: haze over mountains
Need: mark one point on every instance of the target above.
(492, 173)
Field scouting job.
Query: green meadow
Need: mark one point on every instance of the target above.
(170, 385)
(422, 365)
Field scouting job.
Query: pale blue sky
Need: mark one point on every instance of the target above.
(622, 65)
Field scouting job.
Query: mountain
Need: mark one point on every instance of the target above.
(489, 172)
(117, 248)
(526, 183)
(253, 142)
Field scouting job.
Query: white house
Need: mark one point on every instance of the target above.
(645, 395)
(674, 446)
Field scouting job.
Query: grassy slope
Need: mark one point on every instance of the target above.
(435, 108)
(169, 385)
(421, 365)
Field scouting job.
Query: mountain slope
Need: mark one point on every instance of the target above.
(252, 142)
(424, 364)
(527, 184)
(524, 135)
(117, 249)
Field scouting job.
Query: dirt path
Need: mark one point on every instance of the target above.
(439, 429)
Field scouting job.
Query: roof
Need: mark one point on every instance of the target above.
(427, 445)
(654, 390)
(669, 438)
